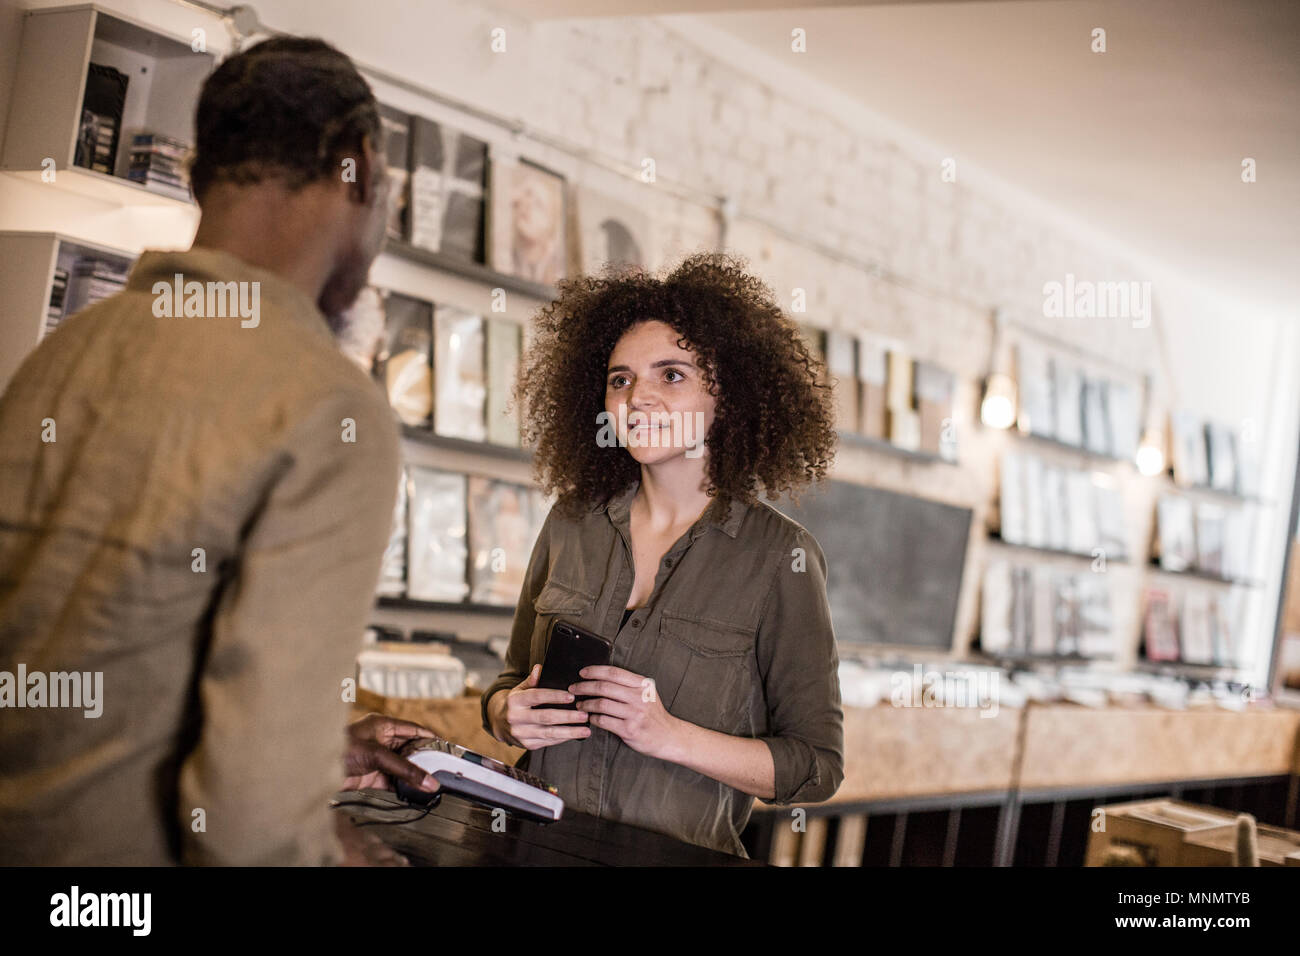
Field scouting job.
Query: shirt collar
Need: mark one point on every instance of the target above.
(619, 506)
(203, 265)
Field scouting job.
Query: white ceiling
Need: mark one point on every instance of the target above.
(1143, 143)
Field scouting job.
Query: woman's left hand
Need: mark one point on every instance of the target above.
(627, 705)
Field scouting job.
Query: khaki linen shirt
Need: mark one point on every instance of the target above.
(222, 669)
(736, 635)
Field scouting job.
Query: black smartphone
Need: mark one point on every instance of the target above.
(571, 648)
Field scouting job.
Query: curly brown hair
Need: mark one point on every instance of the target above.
(773, 419)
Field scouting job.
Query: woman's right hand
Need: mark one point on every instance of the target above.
(518, 721)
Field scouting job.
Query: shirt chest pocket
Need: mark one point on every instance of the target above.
(719, 673)
(557, 600)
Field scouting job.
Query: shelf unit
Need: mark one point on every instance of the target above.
(58, 46)
(27, 263)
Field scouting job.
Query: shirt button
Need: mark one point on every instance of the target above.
(636, 622)
(668, 562)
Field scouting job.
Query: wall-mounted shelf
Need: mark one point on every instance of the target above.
(997, 539)
(411, 604)
(1058, 445)
(504, 452)
(880, 444)
(1210, 492)
(1187, 668)
(109, 190)
(1197, 574)
(469, 270)
(1014, 661)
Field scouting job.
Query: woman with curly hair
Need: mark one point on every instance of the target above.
(658, 408)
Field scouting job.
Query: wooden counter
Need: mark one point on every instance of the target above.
(899, 752)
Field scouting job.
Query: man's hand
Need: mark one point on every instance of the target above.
(369, 761)
(627, 705)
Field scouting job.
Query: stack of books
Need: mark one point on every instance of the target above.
(58, 297)
(157, 162)
(93, 280)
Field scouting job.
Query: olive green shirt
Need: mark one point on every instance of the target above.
(736, 635)
(203, 534)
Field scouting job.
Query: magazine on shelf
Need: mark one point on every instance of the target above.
(503, 345)
(1096, 631)
(1082, 512)
(842, 366)
(1221, 452)
(1160, 633)
(1209, 537)
(1122, 400)
(873, 369)
(1022, 608)
(1237, 524)
(436, 545)
(1011, 498)
(102, 108)
(1194, 631)
(460, 377)
(1189, 461)
(1069, 402)
(1037, 413)
(526, 221)
(397, 164)
(1043, 627)
(996, 608)
(1056, 519)
(1111, 531)
(1175, 531)
(1036, 534)
(392, 571)
(500, 539)
(935, 388)
(1096, 423)
(1221, 630)
(448, 190)
(604, 231)
(405, 362)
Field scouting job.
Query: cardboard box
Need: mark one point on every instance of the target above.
(458, 720)
(1156, 830)
(1219, 849)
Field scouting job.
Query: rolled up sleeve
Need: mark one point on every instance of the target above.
(799, 667)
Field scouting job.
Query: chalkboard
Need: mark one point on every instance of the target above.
(893, 562)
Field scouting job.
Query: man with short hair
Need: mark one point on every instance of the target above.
(197, 498)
